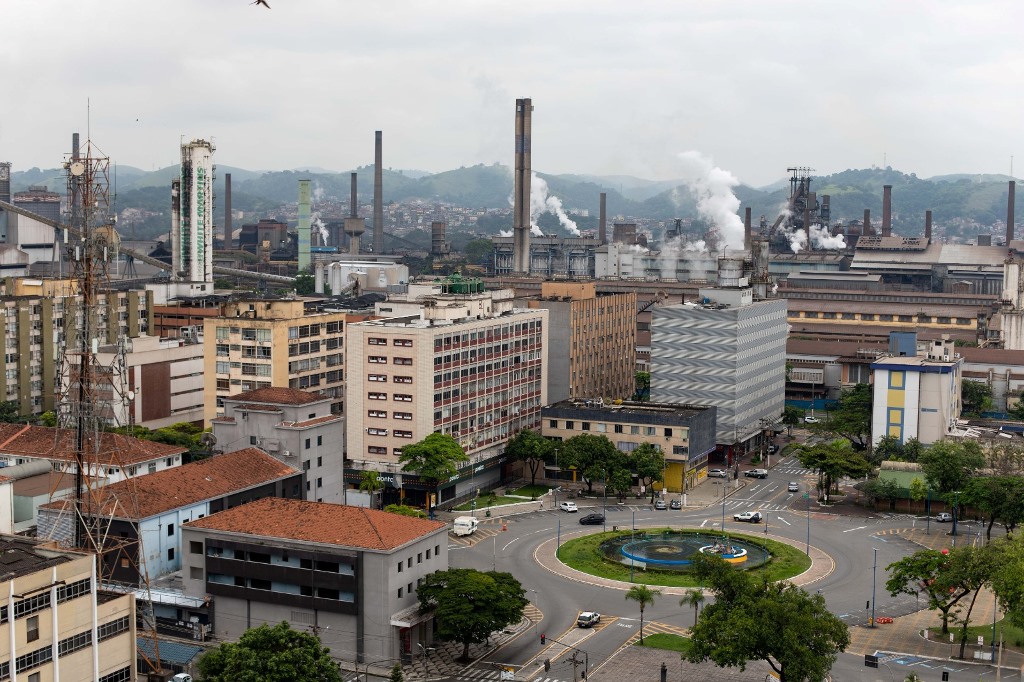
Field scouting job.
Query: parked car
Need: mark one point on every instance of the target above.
(811, 420)
(675, 504)
(756, 473)
(660, 504)
(568, 507)
(772, 449)
(944, 517)
(718, 473)
(749, 516)
(592, 520)
(588, 619)
(793, 487)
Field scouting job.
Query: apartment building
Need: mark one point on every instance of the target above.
(685, 434)
(467, 364)
(286, 343)
(596, 333)
(40, 318)
(56, 624)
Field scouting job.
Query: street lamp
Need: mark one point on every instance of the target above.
(874, 568)
(807, 551)
(956, 503)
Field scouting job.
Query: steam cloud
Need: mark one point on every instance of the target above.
(712, 188)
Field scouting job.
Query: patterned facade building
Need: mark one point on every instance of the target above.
(728, 354)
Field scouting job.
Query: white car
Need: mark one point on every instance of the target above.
(718, 473)
(568, 507)
(811, 420)
(749, 516)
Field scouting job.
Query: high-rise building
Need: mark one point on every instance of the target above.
(287, 343)
(465, 363)
(594, 338)
(728, 351)
(192, 229)
(61, 625)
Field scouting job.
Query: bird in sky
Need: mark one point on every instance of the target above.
(260, 2)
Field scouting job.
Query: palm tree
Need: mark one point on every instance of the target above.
(642, 595)
(370, 483)
(693, 598)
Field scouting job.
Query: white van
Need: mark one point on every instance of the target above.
(465, 525)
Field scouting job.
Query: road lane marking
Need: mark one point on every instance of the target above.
(850, 530)
(784, 520)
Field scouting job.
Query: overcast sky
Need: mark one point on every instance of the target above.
(929, 87)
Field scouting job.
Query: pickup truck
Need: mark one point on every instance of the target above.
(756, 473)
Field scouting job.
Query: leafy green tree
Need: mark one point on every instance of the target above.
(305, 284)
(975, 398)
(919, 491)
(791, 417)
(832, 460)
(369, 482)
(1008, 577)
(532, 449)
(469, 605)
(592, 456)
(649, 464)
(851, 417)
(949, 466)
(643, 386)
(752, 619)
(10, 412)
(396, 673)
(1017, 411)
(643, 596)
(942, 578)
(890, 449)
(693, 599)
(882, 489)
(433, 459)
(270, 654)
(998, 498)
(406, 510)
(620, 482)
(479, 251)
(48, 418)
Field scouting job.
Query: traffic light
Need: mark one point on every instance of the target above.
(543, 639)
(547, 664)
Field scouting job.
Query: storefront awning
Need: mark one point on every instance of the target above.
(406, 618)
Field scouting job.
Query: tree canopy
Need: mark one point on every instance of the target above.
(532, 449)
(643, 596)
(270, 654)
(433, 459)
(975, 398)
(469, 605)
(940, 577)
(791, 417)
(594, 457)
(649, 464)
(851, 416)
(998, 498)
(949, 465)
(832, 461)
(752, 620)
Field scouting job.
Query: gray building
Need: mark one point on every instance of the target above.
(728, 351)
(351, 573)
(294, 426)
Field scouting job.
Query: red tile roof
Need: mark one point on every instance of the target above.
(278, 395)
(56, 443)
(322, 522)
(144, 496)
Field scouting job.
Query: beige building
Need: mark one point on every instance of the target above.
(467, 364)
(56, 624)
(286, 343)
(596, 333)
(39, 318)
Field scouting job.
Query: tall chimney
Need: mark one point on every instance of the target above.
(746, 229)
(227, 211)
(807, 224)
(378, 198)
(886, 210)
(521, 192)
(305, 226)
(928, 225)
(175, 221)
(354, 225)
(1010, 199)
(602, 230)
(867, 229)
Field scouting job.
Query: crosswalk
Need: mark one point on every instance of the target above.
(495, 674)
(793, 471)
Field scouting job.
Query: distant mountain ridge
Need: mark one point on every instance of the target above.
(954, 199)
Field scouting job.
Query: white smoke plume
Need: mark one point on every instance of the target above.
(505, 233)
(797, 238)
(541, 201)
(821, 238)
(319, 226)
(712, 188)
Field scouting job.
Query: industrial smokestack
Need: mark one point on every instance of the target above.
(175, 213)
(807, 223)
(928, 225)
(227, 211)
(886, 210)
(867, 229)
(521, 192)
(438, 246)
(378, 198)
(352, 210)
(354, 225)
(305, 216)
(746, 229)
(1010, 199)
(602, 230)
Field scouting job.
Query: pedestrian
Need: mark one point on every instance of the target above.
(542, 505)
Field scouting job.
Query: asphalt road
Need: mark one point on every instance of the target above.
(857, 542)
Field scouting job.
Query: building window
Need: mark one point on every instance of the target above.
(403, 397)
(377, 413)
(405, 343)
(402, 361)
(319, 440)
(668, 433)
(377, 432)
(382, 378)
(195, 547)
(428, 555)
(319, 483)
(112, 628)
(400, 566)
(585, 426)
(376, 341)
(402, 380)
(170, 529)
(553, 423)
(399, 592)
(307, 444)
(570, 425)
(319, 461)
(32, 628)
(419, 557)
(403, 415)
(122, 675)
(195, 572)
(399, 433)
(377, 396)
(170, 554)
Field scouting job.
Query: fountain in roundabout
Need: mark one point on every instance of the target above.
(674, 550)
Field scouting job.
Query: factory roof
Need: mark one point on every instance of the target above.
(932, 309)
(957, 255)
(146, 496)
(21, 556)
(864, 333)
(320, 522)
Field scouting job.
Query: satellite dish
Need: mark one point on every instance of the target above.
(208, 438)
(76, 168)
